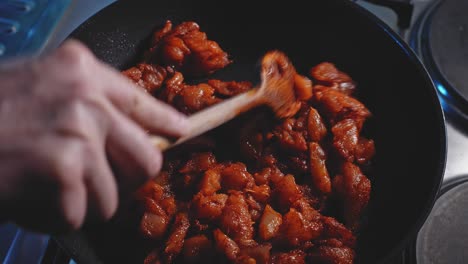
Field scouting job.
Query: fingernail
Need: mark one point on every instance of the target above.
(155, 163)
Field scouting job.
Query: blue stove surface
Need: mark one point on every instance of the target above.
(8, 233)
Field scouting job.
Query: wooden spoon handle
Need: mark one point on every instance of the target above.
(213, 117)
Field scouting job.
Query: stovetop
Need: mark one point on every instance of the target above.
(80, 10)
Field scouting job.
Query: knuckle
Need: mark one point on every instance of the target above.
(81, 88)
(75, 56)
(76, 120)
(74, 52)
(75, 111)
(66, 164)
(89, 152)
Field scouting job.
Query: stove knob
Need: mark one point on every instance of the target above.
(17, 6)
(8, 27)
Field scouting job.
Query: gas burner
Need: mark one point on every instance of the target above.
(440, 37)
(444, 236)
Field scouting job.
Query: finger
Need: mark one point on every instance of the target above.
(53, 198)
(71, 57)
(64, 164)
(73, 203)
(101, 186)
(144, 109)
(135, 158)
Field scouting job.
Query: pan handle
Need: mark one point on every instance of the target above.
(403, 8)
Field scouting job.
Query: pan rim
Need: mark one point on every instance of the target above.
(411, 55)
(439, 118)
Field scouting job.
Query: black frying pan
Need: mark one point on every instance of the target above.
(408, 123)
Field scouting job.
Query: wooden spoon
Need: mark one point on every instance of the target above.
(275, 90)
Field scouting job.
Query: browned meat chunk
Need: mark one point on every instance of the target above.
(290, 139)
(354, 189)
(235, 219)
(175, 242)
(318, 170)
(253, 191)
(199, 162)
(150, 190)
(260, 193)
(334, 229)
(211, 182)
(194, 98)
(269, 223)
(297, 230)
(332, 254)
(287, 192)
(169, 206)
(255, 207)
(227, 89)
(209, 207)
(258, 254)
(188, 49)
(338, 106)
(345, 138)
(315, 126)
(196, 248)
(226, 245)
(155, 221)
(327, 74)
(236, 177)
(365, 150)
(292, 257)
(150, 77)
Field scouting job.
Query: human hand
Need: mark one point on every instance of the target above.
(72, 133)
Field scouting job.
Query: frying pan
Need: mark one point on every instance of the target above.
(407, 125)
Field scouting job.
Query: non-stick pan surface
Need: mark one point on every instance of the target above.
(407, 124)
